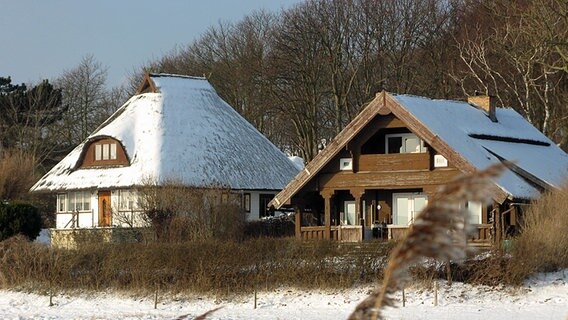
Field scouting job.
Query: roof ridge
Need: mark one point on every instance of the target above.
(173, 75)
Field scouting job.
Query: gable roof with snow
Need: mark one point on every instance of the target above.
(464, 135)
(177, 129)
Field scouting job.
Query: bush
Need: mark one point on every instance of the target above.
(16, 174)
(20, 218)
(274, 227)
(179, 213)
(541, 245)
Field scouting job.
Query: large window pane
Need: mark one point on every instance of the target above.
(72, 201)
(106, 151)
(113, 151)
(402, 214)
(407, 206)
(86, 201)
(61, 203)
(475, 210)
(404, 143)
(98, 152)
(128, 200)
(349, 215)
(394, 144)
(420, 203)
(79, 201)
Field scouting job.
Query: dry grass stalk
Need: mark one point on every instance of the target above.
(440, 232)
(200, 317)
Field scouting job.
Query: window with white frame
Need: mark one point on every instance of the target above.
(74, 201)
(475, 212)
(128, 200)
(404, 143)
(105, 151)
(62, 202)
(407, 206)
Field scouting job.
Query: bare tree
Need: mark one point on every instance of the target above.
(85, 93)
(511, 53)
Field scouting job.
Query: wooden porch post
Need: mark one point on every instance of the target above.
(497, 222)
(327, 194)
(298, 222)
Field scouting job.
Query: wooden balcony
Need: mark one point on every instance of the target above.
(394, 162)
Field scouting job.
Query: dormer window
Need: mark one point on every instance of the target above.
(105, 151)
(404, 143)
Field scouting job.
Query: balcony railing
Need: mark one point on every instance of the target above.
(394, 162)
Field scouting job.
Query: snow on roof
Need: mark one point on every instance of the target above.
(470, 132)
(184, 132)
(298, 162)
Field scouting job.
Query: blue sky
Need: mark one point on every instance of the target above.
(42, 39)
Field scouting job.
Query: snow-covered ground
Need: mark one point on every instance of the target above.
(543, 297)
(44, 237)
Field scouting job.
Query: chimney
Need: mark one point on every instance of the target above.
(487, 103)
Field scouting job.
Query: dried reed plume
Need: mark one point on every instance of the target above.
(440, 232)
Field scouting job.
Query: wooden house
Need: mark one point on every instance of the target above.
(176, 128)
(379, 172)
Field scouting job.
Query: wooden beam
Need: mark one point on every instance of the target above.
(298, 222)
(358, 193)
(327, 195)
(387, 180)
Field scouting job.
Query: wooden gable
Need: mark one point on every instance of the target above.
(374, 117)
(147, 85)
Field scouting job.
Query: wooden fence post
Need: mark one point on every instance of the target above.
(436, 293)
(449, 272)
(156, 299)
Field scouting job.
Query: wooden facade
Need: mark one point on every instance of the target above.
(350, 191)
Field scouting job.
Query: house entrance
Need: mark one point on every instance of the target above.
(104, 209)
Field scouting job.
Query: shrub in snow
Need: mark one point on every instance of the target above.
(280, 226)
(19, 218)
(16, 174)
(179, 213)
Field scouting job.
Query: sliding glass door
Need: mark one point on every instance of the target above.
(406, 206)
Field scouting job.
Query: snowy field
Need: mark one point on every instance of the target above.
(543, 297)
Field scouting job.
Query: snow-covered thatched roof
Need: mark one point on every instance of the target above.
(179, 130)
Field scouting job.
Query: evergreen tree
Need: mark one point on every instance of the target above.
(26, 115)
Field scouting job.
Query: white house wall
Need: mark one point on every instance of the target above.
(90, 219)
(254, 213)
(95, 208)
(86, 219)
